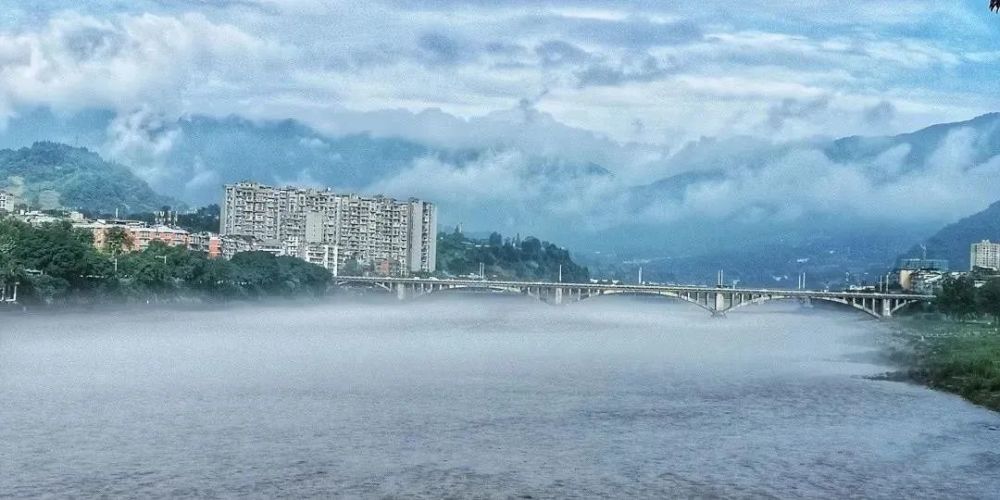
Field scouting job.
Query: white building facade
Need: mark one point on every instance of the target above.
(985, 255)
(6, 202)
(389, 236)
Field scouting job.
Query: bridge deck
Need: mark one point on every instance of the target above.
(473, 283)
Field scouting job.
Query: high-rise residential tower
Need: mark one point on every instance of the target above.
(985, 255)
(321, 226)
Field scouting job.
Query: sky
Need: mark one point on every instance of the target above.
(623, 84)
(644, 71)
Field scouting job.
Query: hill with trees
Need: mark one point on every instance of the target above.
(954, 240)
(51, 175)
(529, 259)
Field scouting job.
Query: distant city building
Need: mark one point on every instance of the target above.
(928, 282)
(36, 218)
(142, 235)
(330, 229)
(985, 255)
(918, 268)
(917, 264)
(232, 245)
(209, 243)
(6, 202)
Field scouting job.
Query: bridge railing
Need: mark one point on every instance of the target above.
(473, 283)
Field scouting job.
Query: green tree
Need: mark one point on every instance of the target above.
(957, 297)
(496, 240)
(989, 300)
(118, 240)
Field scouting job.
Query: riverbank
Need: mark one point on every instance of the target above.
(958, 357)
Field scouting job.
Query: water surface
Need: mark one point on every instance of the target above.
(475, 398)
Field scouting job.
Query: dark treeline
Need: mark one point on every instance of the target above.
(510, 258)
(55, 263)
(960, 298)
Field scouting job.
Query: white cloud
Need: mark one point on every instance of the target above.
(567, 81)
(127, 61)
(142, 139)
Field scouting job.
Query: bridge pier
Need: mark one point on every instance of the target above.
(559, 297)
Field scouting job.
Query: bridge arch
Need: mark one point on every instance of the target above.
(506, 290)
(639, 293)
(835, 300)
(717, 301)
(903, 305)
(368, 285)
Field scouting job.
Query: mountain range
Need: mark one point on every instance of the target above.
(52, 175)
(952, 242)
(763, 209)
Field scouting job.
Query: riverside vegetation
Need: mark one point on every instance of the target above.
(529, 259)
(959, 352)
(58, 264)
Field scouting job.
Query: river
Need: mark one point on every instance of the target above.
(476, 398)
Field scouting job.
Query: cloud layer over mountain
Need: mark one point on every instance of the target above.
(558, 117)
(633, 71)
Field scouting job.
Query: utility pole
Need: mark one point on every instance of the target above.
(482, 271)
(640, 275)
(722, 279)
(560, 273)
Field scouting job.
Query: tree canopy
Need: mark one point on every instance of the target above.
(511, 258)
(58, 263)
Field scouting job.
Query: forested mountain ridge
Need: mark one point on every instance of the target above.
(953, 242)
(54, 175)
(529, 259)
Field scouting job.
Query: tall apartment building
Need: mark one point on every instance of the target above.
(6, 202)
(986, 255)
(330, 229)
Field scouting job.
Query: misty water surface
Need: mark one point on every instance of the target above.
(475, 397)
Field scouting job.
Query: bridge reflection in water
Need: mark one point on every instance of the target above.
(717, 301)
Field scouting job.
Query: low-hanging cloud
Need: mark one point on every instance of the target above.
(786, 185)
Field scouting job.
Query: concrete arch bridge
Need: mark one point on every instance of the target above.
(717, 301)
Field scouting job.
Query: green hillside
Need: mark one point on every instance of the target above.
(529, 259)
(53, 175)
(954, 240)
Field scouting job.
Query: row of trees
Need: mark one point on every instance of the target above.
(58, 263)
(960, 298)
(510, 258)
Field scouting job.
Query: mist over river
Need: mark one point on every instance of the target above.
(476, 397)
